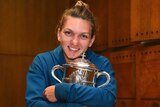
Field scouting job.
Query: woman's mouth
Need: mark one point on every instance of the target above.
(73, 49)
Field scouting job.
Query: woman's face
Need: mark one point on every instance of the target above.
(75, 37)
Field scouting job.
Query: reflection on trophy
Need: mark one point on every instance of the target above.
(80, 71)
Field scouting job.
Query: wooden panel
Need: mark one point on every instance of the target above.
(145, 21)
(119, 23)
(13, 80)
(28, 26)
(125, 103)
(148, 75)
(105, 53)
(124, 66)
(151, 103)
(100, 11)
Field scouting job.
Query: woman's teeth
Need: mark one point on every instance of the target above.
(73, 49)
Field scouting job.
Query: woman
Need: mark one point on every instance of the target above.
(76, 34)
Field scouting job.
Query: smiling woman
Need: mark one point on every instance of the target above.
(76, 34)
(75, 37)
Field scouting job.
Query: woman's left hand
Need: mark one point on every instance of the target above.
(49, 93)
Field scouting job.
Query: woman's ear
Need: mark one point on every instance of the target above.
(58, 34)
(92, 41)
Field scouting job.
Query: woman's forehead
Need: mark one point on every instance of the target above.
(77, 24)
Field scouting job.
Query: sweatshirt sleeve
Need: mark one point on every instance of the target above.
(35, 86)
(90, 96)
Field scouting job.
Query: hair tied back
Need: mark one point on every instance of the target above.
(81, 4)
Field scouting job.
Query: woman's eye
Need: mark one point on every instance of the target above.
(68, 33)
(84, 36)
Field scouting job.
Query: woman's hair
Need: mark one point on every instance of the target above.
(79, 10)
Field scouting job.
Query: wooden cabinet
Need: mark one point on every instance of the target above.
(148, 76)
(137, 22)
(119, 23)
(123, 63)
(145, 23)
(137, 74)
(133, 20)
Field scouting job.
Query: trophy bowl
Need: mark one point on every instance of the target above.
(80, 71)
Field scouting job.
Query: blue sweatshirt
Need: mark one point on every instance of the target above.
(68, 95)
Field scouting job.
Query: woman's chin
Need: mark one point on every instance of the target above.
(72, 57)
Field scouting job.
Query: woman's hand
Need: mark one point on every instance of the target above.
(49, 93)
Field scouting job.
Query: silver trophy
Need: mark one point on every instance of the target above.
(80, 71)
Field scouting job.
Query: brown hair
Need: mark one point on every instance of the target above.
(79, 10)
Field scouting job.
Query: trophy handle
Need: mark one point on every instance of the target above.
(106, 75)
(54, 69)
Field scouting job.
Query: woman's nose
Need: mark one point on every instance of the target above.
(75, 40)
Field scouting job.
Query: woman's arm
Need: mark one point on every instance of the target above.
(35, 86)
(90, 96)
